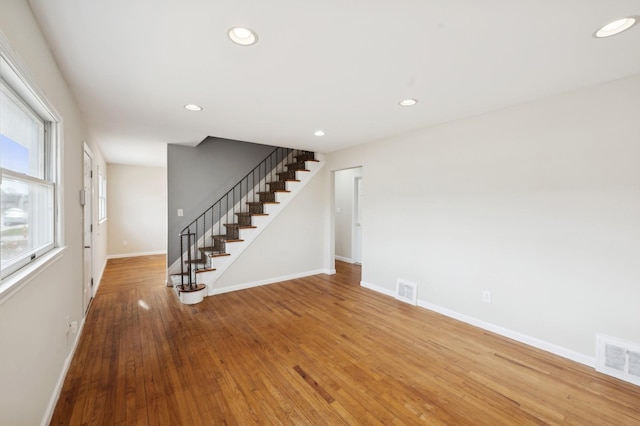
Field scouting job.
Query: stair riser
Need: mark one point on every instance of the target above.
(277, 185)
(300, 165)
(219, 246)
(244, 220)
(288, 175)
(256, 208)
(233, 233)
(267, 197)
(307, 156)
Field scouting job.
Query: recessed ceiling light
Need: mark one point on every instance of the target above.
(616, 27)
(319, 133)
(243, 36)
(408, 102)
(192, 107)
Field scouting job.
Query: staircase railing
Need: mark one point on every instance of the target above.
(218, 222)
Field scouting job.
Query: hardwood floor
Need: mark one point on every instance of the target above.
(316, 350)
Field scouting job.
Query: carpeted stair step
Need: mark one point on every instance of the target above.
(233, 229)
(298, 166)
(278, 185)
(244, 218)
(305, 156)
(289, 175)
(202, 261)
(267, 197)
(257, 207)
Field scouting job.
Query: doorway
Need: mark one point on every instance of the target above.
(87, 219)
(348, 200)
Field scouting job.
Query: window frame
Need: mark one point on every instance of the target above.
(17, 78)
(102, 196)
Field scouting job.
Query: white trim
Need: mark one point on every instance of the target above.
(147, 253)
(214, 291)
(15, 282)
(63, 374)
(345, 259)
(505, 332)
(378, 289)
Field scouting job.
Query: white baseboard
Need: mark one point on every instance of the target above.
(379, 289)
(63, 374)
(345, 259)
(214, 291)
(502, 331)
(148, 253)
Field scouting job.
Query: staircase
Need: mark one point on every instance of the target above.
(214, 240)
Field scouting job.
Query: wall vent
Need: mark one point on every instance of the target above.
(619, 359)
(407, 291)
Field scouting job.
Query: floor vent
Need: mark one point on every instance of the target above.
(407, 291)
(619, 359)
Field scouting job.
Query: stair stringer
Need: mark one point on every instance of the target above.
(261, 222)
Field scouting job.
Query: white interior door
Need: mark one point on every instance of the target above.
(357, 220)
(87, 286)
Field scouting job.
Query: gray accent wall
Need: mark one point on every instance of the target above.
(198, 176)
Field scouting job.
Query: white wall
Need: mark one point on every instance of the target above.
(137, 210)
(33, 344)
(344, 204)
(292, 244)
(538, 203)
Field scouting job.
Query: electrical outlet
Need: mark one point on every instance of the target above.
(180, 212)
(486, 296)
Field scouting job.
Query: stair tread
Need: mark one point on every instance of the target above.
(251, 214)
(205, 270)
(219, 254)
(209, 248)
(262, 202)
(186, 289)
(226, 239)
(235, 225)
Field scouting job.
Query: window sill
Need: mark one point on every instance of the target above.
(18, 280)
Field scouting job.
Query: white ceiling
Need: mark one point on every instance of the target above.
(341, 66)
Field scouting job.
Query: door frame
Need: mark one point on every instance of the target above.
(87, 199)
(356, 237)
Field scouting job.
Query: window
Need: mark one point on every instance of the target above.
(102, 197)
(27, 174)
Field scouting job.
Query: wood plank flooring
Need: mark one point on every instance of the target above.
(317, 350)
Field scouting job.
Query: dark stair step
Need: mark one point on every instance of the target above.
(186, 289)
(298, 166)
(225, 239)
(215, 248)
(305, 156)
(267, 197)
(289, 175)
(233, 229)
(257, 207)
(196, 261)
(278, 185)
(219, 254)
(244, 218)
